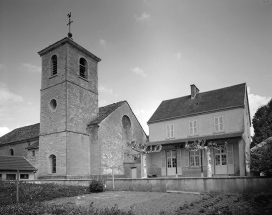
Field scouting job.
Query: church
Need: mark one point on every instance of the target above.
(75, 138)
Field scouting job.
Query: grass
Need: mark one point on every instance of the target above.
(32, 197)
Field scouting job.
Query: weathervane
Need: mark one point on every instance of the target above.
(69, 23)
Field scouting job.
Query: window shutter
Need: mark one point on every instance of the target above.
(163, 159)
(215, 124)
(167, 131)
(178, 158)
(172, 131)
(221, 124)
(230, 154)
(190, 127)
(195, 127)
(186, 158)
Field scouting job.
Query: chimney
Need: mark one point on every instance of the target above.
(194, 91)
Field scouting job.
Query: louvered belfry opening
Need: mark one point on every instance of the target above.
(54, 65)
(83, 68)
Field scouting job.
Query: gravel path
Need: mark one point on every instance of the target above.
(142, 202)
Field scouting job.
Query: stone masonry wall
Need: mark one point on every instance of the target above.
(52, 144)
(91, 82)
(47, 80)
(18, 148)
(53, 120)
(82, 108)
(113, 139)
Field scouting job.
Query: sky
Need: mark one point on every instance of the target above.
(151, 50)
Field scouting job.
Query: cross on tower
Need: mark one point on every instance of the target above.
(69, 23)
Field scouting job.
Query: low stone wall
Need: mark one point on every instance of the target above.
(202, 185)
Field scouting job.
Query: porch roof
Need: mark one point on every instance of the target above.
(184, 140)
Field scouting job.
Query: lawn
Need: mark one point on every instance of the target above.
(60, 199)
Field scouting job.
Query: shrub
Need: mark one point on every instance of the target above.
(96, 186)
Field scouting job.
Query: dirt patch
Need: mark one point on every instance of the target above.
(141, 202)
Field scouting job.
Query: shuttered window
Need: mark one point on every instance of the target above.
(193, 127)
(54, 65)
(170, 131)
(218, 124)
(186, 158)
(83, 68)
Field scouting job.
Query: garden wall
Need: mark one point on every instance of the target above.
(207, 185)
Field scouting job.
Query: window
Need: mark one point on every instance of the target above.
(193, 130)
(24, 176)
(83, 68)
(194, 158)
(11, 152)
(33, 153)
(52, 160)
(218, 124)
(54, 65)
(11, 176)
(53, 104)
(170, 131)
(126, 123)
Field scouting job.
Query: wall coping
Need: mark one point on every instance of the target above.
(158, 179)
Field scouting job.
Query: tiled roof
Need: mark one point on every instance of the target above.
(210, 137)
(12, 163)
(214, 100)
(33, 146)
(23, 133)
(105, 111)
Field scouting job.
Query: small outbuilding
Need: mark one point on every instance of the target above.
(9, 166)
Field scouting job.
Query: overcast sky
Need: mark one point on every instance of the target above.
(151, 50)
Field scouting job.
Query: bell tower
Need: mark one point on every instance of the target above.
(69, 101)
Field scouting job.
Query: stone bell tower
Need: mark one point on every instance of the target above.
(69, 101)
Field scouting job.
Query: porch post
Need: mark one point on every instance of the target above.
(176, 161)
(201, 163)
(209, 162)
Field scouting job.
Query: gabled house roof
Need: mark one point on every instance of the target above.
(105, 111)
(12, 163)
(20, 134)
(210, 101)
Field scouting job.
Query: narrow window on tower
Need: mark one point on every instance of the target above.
(83, 68)
(54, 65)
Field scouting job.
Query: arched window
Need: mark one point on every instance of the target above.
(83, 68)
(54, 65)
(11, 152)
(52, 163)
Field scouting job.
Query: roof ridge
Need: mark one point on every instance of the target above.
(207, 91)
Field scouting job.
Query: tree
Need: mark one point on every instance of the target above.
(262, 124)
(261, 158)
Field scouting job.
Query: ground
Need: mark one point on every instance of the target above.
(142, 202)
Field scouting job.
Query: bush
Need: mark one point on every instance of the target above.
(96, 186)
(61, 209)
(37, 192)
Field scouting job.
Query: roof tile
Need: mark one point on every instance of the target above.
(13, 162)
(219, 99)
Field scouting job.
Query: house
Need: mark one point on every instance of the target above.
(219, 116)
(75, 138)
(10, 165)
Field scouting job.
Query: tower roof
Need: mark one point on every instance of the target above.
(72, 43)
